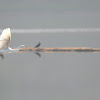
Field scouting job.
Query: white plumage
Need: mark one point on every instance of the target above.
(5, 38)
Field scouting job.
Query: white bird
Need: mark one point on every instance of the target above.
(5, 38)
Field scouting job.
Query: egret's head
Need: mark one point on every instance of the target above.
(22, 46)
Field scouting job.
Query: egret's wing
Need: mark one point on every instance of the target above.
(5, 38)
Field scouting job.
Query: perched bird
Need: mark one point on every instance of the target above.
(5, 39)
(38, 45)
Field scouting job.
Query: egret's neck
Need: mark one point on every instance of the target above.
(17, 49)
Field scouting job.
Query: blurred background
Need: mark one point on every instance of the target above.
(49, 14)
(53, 76)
